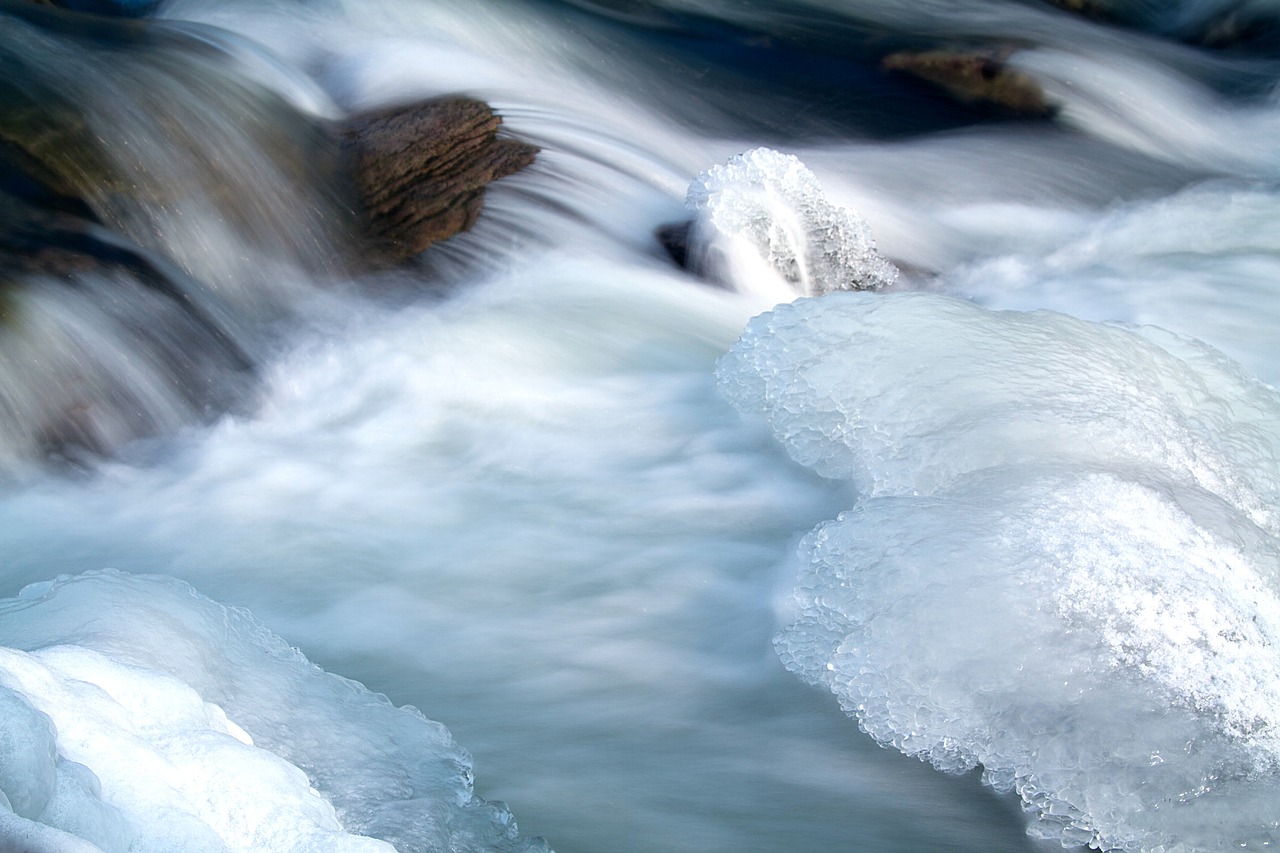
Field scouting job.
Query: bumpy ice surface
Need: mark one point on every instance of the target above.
(763, 213)
(1063, 563)
(137, 715)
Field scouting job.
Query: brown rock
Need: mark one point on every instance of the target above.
(420, 170)
(975, 77)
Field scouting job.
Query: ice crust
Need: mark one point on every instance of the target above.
(1062, 565)
(764, 215)
(137, 715)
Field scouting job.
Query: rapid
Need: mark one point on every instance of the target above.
(730, 558)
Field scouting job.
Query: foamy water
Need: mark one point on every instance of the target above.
(544, 488)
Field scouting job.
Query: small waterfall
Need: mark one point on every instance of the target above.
(168, 193)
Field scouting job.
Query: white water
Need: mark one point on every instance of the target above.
(528, 510)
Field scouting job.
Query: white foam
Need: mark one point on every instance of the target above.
(1136, 103)
(1201, 262)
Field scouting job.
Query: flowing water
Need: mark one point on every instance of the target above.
(673, 576)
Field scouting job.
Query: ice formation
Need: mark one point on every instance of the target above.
(137, 715)
(1063, 564)
(763, 215)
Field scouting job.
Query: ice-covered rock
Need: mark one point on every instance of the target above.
(762, 222)
(1064, 566)
(137, 715)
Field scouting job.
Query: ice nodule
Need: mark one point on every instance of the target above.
(146, 717)
(763, 221)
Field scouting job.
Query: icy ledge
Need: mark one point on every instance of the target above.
(137, 715)
(762, 223)
(1064, 565)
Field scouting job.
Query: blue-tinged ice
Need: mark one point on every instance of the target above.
(1064, 566)
(764, 224)
(137, 715)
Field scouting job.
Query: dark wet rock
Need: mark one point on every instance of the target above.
(420, 170)
(127, 8)
(63, 246)
(140, 124)
(152, 196)
(674, 239)
(25, 179)
(73, 18)
(71, 293)
(1244, 26)
(976, 77)
(1240, 29)
(397, 179)
(1101, 10)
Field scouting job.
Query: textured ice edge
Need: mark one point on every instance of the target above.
(1064, 566)
(763, 216)
(139, 715)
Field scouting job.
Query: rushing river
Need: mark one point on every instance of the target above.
(680, 569)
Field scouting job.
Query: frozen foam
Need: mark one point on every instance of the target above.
(141, 716)
(763, 215)
(1063, 567)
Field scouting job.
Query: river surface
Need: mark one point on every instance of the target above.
(679, 579)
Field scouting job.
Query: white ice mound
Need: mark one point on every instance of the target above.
(137, 715)
(1065, 566)
(763, 215)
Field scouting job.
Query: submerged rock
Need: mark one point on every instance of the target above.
(1259, 28)
(1098, 9)
(976, 77)
(161, 204)
(131, 157)
(202, 130)
(169, 139)
(129, 8)
(101, 342)
(420, 170)
(1240, 25)
(673, 237)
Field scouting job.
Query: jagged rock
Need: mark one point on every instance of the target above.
(975, 77)
(420, 170)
